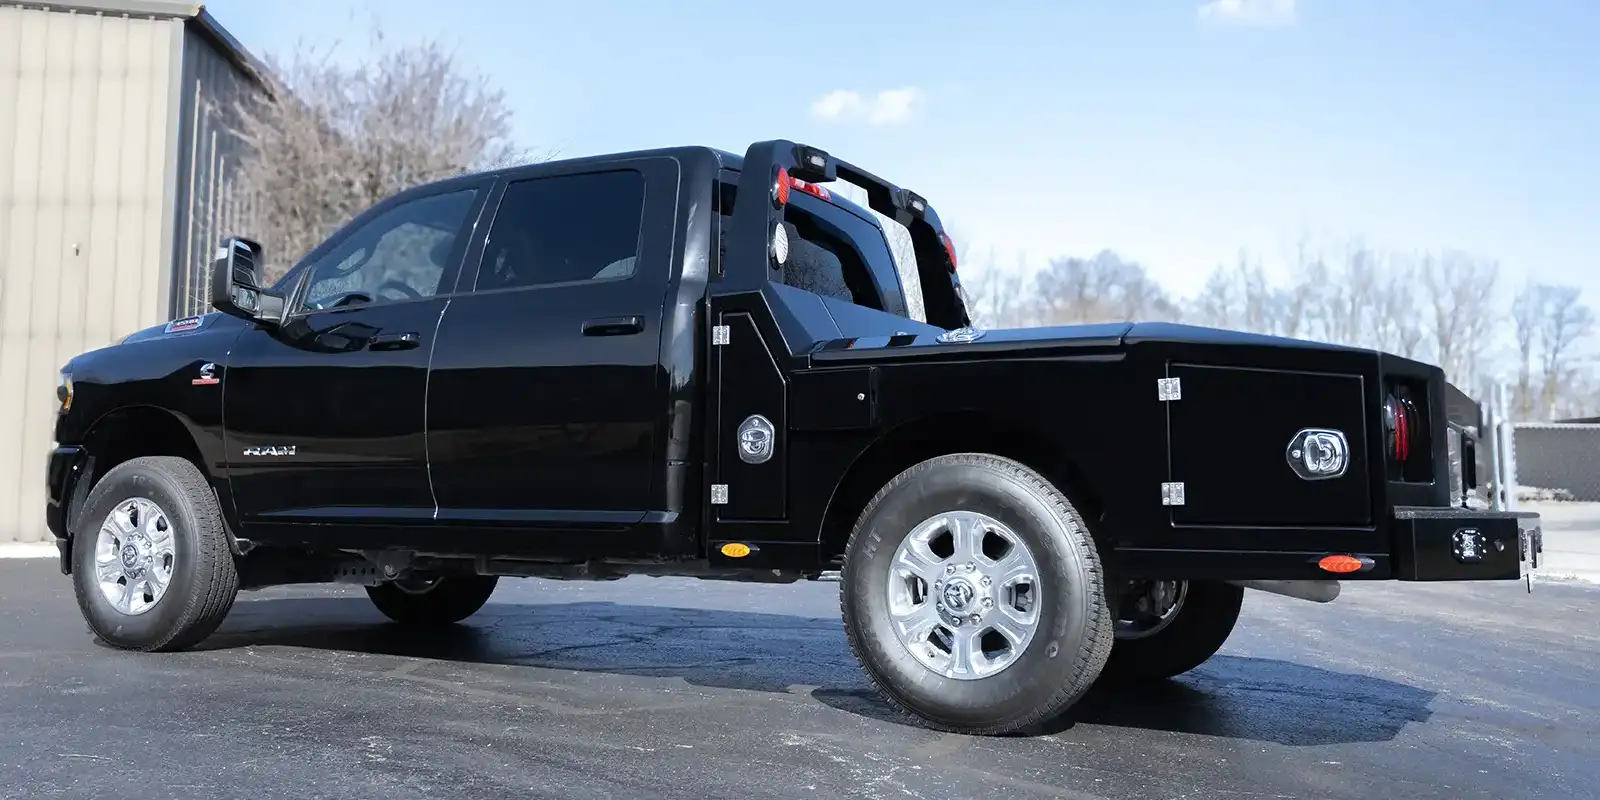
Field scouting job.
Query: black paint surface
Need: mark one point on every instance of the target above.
(676, 688)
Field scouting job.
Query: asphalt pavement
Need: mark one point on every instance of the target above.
(679, 688)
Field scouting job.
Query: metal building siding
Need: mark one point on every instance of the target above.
(208, 202)
(85, 132)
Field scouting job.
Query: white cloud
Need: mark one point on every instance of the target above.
(1251, 13)
(836, 104)
(887, 107)
(893, 106)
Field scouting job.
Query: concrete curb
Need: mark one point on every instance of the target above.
(28, 550)
(1545, 575)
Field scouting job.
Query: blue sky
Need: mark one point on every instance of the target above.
(1173, 131)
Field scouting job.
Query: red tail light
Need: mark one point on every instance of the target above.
(810, 188)
(780, 188)
(949, 249)
(1400, 417)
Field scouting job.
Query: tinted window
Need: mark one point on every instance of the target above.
(564, 229)
(834, 253)
(865, 262)
(401, 254)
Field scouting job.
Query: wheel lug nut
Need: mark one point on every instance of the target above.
(956, 622)
(950, 569)
(988, 602)
(971, 567)
(985, 581)
(976, 619)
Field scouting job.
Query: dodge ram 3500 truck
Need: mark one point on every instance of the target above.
(686, 362)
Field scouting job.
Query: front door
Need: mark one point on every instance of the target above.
(547, 402)
(324, 415)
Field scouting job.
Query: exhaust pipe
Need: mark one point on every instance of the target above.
(1315, 591)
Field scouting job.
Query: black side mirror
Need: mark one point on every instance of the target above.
(236, 283)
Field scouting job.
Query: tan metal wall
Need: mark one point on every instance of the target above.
(88, 145)
(209, 204)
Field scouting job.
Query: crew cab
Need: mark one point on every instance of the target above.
(685, 362)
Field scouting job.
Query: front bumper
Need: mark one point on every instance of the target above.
(67, 464)
(1463, 544)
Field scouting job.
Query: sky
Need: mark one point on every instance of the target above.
(1175, 132)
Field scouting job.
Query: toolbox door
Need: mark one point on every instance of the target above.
(749, 441)
(1235, 435)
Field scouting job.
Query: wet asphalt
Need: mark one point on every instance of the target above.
(685, 689)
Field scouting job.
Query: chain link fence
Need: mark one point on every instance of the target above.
(1557, 461)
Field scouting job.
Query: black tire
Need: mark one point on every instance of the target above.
(1074, 632)
(1195, 634)
(204, 580)
(450, 599)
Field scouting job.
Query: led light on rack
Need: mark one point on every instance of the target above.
(780, 244)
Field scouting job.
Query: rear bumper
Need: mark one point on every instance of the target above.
(1427, 544)
(1461, 544)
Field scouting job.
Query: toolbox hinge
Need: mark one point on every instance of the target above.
(1169, 389)
(1172, 494)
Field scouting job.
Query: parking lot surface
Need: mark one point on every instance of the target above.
(687, 689)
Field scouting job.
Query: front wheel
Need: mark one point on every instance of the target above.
(1170, 627)
(152, 566)
(440, 600)
(974, 597)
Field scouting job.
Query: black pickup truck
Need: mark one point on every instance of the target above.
(686, 362)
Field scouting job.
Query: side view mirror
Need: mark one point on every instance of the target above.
(236, 283)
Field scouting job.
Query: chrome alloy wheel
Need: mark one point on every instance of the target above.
(964, 595)
(134, 556)
(1154, 608)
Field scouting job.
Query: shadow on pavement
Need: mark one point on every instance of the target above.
(1234, 697)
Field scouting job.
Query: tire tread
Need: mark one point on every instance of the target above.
(1100, 628)
(216, 576)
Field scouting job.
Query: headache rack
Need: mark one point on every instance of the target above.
(772, 169)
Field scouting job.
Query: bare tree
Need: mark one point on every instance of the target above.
(329, 140)
(1563, 321)
(1100, 289)
(1460, 294)
(1580, 395)
(1000, 296)
(1526, 312)
(1397, 322)
(1218, 303)
(1239, 298)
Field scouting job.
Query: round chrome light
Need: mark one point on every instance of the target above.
(780, 244)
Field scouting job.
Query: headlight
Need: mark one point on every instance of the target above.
(64, 391)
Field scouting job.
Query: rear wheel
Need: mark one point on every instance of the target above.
(435, 600)
(152, 565)
(1170, 627)
(973, 596)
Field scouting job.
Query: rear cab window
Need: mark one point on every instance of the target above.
(836, 249)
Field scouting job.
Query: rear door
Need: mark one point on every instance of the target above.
(324, 415)
(547, 402)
